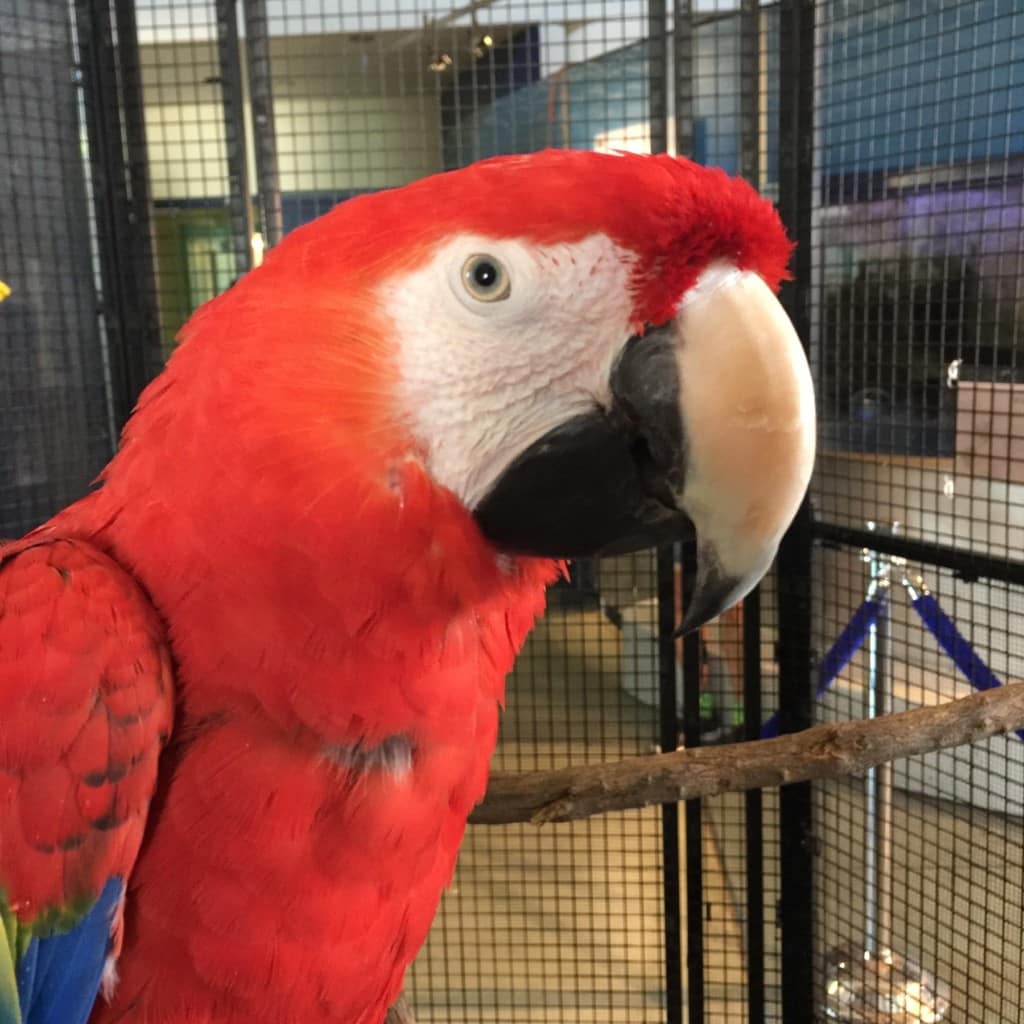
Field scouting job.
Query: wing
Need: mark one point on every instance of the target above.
(85, 707)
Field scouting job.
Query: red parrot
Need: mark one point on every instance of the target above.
(250, 685)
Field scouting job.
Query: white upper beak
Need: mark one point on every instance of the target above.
(747, 402)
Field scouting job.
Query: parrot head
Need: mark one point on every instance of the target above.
(585, 350)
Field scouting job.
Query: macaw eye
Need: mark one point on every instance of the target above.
(485, 278)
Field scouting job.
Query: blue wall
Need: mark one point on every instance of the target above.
(905, 85)
(929, 82)
(610, 92)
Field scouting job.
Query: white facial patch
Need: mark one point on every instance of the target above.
(484, 380)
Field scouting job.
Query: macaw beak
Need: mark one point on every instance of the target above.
(710, 434)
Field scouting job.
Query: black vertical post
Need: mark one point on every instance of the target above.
(668, 714)
(106, 165)
(145, 353)
(261, 99)
(750, 168)
(657, 73)
(750, 82)
(668, 737)
(234, 133)
(117, 153)
(753, 810)
(682, 60)
(682, 57)
(796, 168)
(694, 818)
(796, 818)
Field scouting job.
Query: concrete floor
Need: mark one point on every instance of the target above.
(562, 925)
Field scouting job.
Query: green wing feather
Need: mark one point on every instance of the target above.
(13, 942)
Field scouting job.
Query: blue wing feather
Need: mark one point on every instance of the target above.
(59, 977)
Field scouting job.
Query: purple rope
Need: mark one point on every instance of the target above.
(949, 638)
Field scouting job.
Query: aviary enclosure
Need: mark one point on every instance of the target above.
(151, 151)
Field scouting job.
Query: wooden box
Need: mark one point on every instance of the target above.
(990, 431)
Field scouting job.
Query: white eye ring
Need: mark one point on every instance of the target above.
(485, 278)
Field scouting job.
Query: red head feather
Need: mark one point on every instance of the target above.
(677, 216)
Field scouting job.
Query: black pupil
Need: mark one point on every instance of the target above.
(485, 274)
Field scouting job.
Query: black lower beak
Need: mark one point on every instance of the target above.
(604, 482)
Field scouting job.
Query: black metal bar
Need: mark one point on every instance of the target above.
(261, 99)
(112, 84)
(754, 820)
(693, 819)
(750, 89)
(668, 737)
(966, 564)
(668, 724)
(109, 183)
(682, 55)
(144, 351)
(682, 52)
(657, 71)
(796, 818)
(694, 912)
(232, 99)
(795, 656)
(750, 168)
(54, 403)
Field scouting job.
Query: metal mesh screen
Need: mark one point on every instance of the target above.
(916, 305)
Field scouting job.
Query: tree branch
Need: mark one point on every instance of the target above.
(823, 752)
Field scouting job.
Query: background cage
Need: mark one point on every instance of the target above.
(150, 150)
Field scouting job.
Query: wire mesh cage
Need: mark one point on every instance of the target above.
(917, 240)
(153, 150)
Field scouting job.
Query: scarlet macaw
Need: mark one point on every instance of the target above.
(324, 538)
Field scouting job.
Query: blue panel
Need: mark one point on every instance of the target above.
(914, 85)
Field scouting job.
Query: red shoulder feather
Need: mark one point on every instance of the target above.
(86, 704)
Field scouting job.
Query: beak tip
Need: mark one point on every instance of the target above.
(712, 597)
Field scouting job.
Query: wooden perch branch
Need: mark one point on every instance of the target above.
(823, 752)
(400, 1013)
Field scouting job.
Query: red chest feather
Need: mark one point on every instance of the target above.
(339, 710)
